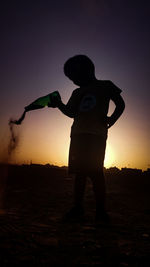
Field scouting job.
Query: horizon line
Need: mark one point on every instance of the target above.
(64, 166)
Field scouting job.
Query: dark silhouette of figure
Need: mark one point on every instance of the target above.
(88, 106)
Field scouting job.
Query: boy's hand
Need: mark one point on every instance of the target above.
(109, 122)
(120, 106)
(56, 99)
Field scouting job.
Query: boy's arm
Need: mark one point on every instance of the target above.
(70, 108)
(65, 109)
(120, 106)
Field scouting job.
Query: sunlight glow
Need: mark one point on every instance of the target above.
(109, 157)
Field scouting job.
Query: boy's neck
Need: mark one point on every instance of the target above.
(94, 79)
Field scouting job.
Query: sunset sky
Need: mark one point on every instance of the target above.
(37, 37)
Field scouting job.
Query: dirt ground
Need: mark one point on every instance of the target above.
(32, 233)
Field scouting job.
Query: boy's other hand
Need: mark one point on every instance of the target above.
(109, 122)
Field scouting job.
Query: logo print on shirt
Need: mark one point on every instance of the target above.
(87, 103)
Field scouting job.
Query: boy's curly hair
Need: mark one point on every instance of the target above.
(79, 64)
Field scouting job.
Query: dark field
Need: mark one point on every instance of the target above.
(33, 201)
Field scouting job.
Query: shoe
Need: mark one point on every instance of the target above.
(75, 214)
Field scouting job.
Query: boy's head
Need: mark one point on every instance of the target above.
(80, 69)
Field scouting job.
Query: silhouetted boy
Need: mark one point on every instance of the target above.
(88, 106)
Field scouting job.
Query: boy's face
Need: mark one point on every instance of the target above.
(80, 69)
(78, 81)
(80, 78)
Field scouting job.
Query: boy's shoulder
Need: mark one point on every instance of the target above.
(104, 85)
(109, 87)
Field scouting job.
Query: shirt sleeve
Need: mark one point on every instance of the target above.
(113, 89)
(72, 103)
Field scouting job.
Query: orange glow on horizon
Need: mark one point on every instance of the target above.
(44, 138)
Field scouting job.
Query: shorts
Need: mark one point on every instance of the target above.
(86, 153)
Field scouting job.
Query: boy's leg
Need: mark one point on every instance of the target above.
(77, 211)
(99, 188)
(79, 189)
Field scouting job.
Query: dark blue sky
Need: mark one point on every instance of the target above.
(37, 37)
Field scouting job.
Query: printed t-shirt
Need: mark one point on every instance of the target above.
(90, 106)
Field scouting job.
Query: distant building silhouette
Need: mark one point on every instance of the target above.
(131, 171)
(113, 170)
(147, 172)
